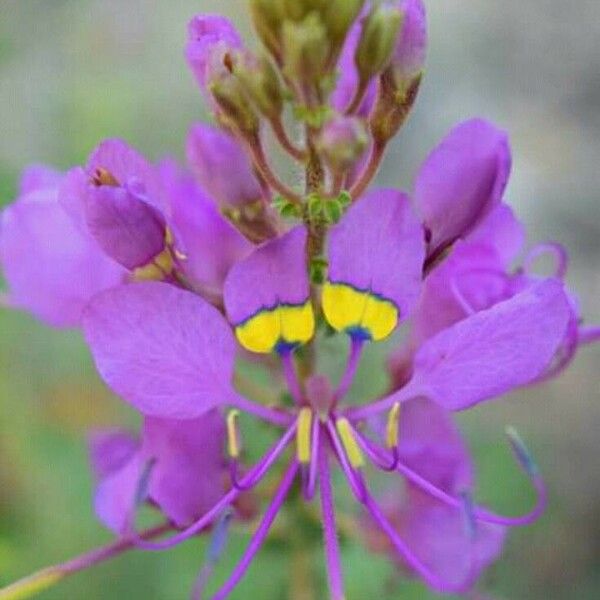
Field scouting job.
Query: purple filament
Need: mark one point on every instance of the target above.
(260, 534)
(557, 251)
(375, 454)
(354, 478)
(291, 377)
(431, 578)
(356, 348)
(332, 548)
(270, 415)
(255, 474)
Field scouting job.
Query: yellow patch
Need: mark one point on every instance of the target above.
(348, 309)
(283, 324)
(351, 447)
(304, 435)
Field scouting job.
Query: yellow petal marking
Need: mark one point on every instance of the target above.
(289, 324)
(303, 436)
(353, 451)
(347, 308)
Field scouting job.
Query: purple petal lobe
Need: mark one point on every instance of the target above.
(221, 166)
(111, 450)
(125, 164)
(496, 350)
(207, 35)
(38, 177)
(377, 253)
(431, 445)
(164, 350)
(126, 227)
(503, 231)
(267, 294)
(188, 476)
(207, 243)
(51, 267)
(462, 180)
(115, 495)
(409, 55)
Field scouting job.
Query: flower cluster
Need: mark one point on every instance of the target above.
(178, 275)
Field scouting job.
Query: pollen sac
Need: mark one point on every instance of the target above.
(359, 313)
(267, 296)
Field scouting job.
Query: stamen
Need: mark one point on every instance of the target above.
(356, 348)
(469, 513)
(260, 534)
(311, 482)
(354, 476)
(332, 547)
(393, 426)
(431, 578)
(351, 447)
(233, 437)
(141, 492)
(303, 437)
(214, 553)
(378, 455)
(522, 453)
(252, 478)
(104, 177)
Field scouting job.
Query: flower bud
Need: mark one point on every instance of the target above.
(126, 227)
(236, 109)
(342, 141)
(338, 18)
(261, 82)
(210, 39)
(306, 49)
(222, 167)
(268, 17)
(409, 55)
(378, 40)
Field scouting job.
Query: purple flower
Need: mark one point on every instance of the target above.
(442, 536)
(180, 463)
(52, 267)
(171, 355)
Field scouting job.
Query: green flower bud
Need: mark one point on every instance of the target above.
(378, 41)
(342, 142)
(268, 17)
(339, 17)
(235, 106)
(261, 82)
(306, 49)
(297, 10)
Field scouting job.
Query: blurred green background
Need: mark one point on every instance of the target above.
(75, 71)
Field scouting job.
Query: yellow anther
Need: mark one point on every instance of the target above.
(233, 439)
(393, 424)
(304, 435)
(353, 451)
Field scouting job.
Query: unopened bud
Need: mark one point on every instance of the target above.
(306, 49)
(409, 55)
(342, 141)
(378, 41)
(392, 107)
(339, 17)
(235, 106)
(296, 10)
(268, 17)
(261, 82)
